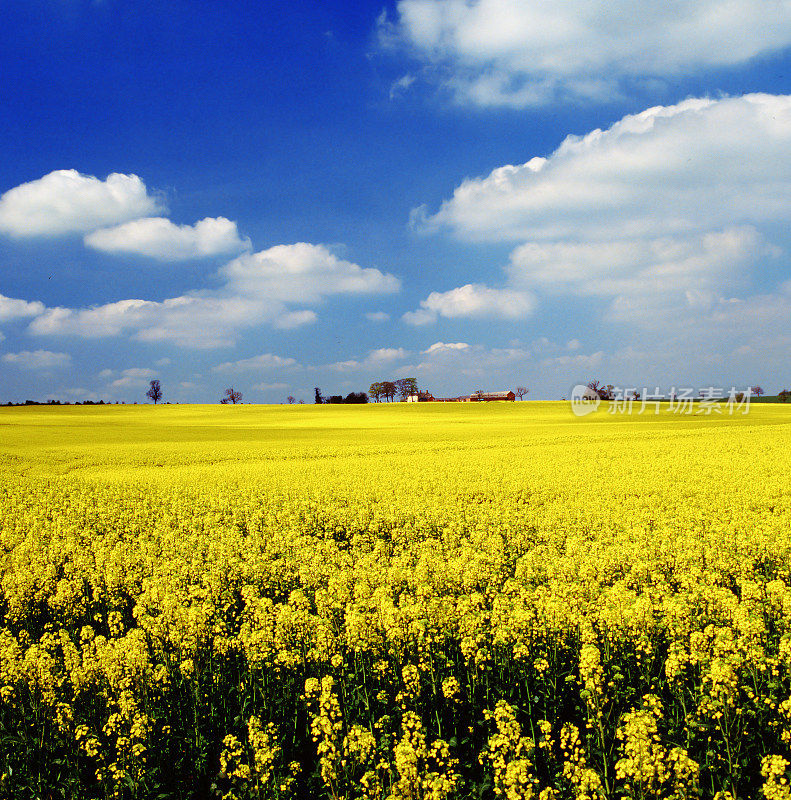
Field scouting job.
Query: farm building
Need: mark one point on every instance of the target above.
(420, 397)
(488, 397)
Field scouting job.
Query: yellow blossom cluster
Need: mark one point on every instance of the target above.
(394, 603)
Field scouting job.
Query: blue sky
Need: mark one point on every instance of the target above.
(481, 194)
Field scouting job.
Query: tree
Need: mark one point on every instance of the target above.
(784, 395)
(605, 392)
(318, 400)
(154, 391)
(406, 387)
(232, 397)
(375, 390)
(521, 391)
(388, 390)
(291, 400)
(757, 391)
(479, 393)
(356, 397)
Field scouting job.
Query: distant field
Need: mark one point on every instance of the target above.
(394, 601)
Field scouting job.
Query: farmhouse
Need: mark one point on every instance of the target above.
(421, 397)
(488, 397)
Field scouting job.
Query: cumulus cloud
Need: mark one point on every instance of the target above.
(262, 362)
(665, 216)
(449, 361)
(256, 289)
(12, 308)
(472, 301)
(159, 238)
(385, 354)
(303, 273)
(696, 166)
(65, 201)
(522, 53)
(128, 378)
(374, 359)
(36, 359)
(295, 319)
(377, 316)
(449, 347)
(580, 361)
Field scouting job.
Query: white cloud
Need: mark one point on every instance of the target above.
(419, 317)
(162, 362)
(528, 52)
(377, 316)
(36, 359)
(11, 308)
(472, 301)
(449, 347)
(385, 354)
(303, 273)
(580, 361)
(295, 319)
(256, 289)
(133, 377)
(264, 361)
(66, 201)
(448, 362)
(159, 238)
(642, 276)
(401, 85)
(664, 217)
(374, 359)
(696, 166)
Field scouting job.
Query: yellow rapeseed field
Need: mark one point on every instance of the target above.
(405, 602)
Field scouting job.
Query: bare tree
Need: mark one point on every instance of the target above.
(521, 391)
(291, 400)
(605, 392)
(232, 397)
(757, 391)
(154, 391)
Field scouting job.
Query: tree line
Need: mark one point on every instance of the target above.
(352, 397)
(609, 392)
(387, 390)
